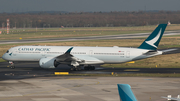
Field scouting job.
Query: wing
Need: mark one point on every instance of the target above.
(77, 60)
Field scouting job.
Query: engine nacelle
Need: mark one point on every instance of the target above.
(48, 62)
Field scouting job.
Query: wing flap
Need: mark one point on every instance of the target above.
(89, 60)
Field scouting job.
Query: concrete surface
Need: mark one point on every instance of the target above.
(80, 88)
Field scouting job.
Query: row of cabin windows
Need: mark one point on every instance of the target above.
(56, 52)
(29, 52)
(109, 53)
(78, 53)
(64, 52)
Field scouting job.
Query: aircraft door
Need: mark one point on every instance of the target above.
(128, 54)
(43, 53)
(15, 52)
(91, 52)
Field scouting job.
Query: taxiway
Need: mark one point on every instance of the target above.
(121, 36)
(28, 70)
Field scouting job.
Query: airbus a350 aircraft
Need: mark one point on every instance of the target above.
(52, 56)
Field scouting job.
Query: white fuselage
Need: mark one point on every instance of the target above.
(52, 56)
(104, 54)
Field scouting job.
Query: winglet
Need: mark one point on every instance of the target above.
(125, 92)
(152, 42)
(69, 50)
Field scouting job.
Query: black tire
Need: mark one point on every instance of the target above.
(85, 68)
(76, 69)
(79, 68)
(93, 68)
(72, 69)
(12, 67)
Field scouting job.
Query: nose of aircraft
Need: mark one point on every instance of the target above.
(4, 56)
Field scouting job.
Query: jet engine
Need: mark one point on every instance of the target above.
(48, 62)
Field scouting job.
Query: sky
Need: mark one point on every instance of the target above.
(10, 6)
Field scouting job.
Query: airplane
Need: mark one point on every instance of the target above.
(125, 93)
(88, 57)
(169, 98)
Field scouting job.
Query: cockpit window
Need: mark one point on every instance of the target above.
(7, 51)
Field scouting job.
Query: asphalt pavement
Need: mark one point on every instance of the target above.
(28, 70)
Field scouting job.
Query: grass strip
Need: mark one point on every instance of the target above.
(129, 75)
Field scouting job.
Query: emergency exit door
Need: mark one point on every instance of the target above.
(128, 54)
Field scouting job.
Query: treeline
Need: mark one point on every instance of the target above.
(95, 19)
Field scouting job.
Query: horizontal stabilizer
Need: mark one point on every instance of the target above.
(168, 50)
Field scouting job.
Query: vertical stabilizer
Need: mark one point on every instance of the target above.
(152, 42)
(125, 93)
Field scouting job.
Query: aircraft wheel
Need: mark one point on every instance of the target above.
(12, 67)
(89, 68)
(72, 69)
(92, 68)
(79, 68)
(85, 68)
(76, 69)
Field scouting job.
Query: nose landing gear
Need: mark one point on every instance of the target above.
(12, 65)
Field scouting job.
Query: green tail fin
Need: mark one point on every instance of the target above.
(152, 42)
(125, 93)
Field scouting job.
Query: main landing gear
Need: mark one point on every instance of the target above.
(75, 68)
(12, 65)
(89, 68)
(78, 68)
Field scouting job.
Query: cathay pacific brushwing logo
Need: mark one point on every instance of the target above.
(10, 54)
(154, 40)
